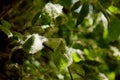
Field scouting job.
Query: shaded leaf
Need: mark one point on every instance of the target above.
(91, 62)
(17, 36)
(55, 43)
(66, 3)
(45, 19)
(60, 61)
(6, 24)
(36, 17)
(77, 71)
(114, 29)
(76, 5)
(88, 69)
(92, 76)
(83, 13)
(28, 44)
(111, 62)
(6, 31)
(100, 8)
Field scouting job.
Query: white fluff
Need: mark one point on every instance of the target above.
(103, 76)
(37, 44)
(115, 50)
(69, 52)
(54, 10)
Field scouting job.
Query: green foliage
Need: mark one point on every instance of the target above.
(6, 31)
(76, 5)
(6, 24)
(28, 44)
(114, 9)
(75, 57)
(83, 13)
(75, 40)
(65, 3)
(114, 29)
(36, 17)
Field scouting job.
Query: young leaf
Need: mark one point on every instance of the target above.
(6, 31)
(75, 57)
(114, 9)
(83, 13)
(36, 17)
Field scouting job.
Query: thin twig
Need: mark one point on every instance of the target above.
(70, 73)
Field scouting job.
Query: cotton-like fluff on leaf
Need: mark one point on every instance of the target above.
(70, 51)
(69, 58)
(34, 43)
(38, 43)
(74, 1)
(47, 26)
(60, 76)
(115, 50)
(103, 76)
(54, 10)
(101, 17)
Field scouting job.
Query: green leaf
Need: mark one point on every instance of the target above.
(98, 7)
(56, 44)
(76, 5)
(45, 19)
(86, 51)
(6, 24)
(105, 34)
(36, 17)
(77, 71)
(114, 29)
(60, 61)
(114, 9)
(89, 53)
(17, 36)
(83, 13)
(75, 57)
(6, 31)
(92, 76)
(66, 3)
(88, 69)
(28, 44)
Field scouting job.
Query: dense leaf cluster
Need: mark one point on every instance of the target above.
(60, 40)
